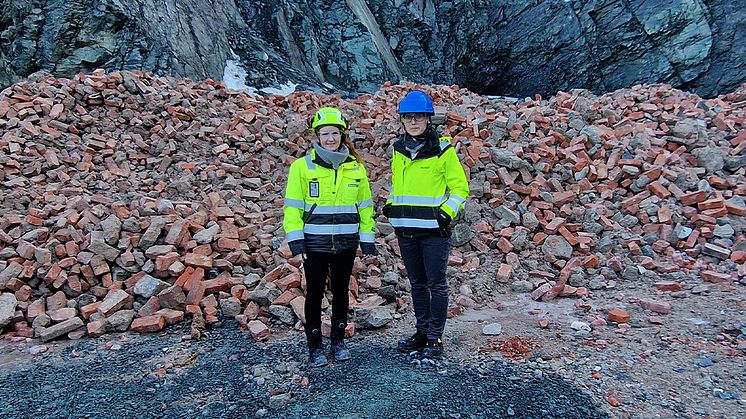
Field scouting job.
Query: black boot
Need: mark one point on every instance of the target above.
(433, 349)
(413, 343)
(339, 350)
(316, 357)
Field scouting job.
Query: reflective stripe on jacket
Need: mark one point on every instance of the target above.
(434, 180)
(331, 210)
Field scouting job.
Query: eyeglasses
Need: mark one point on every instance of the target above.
(414, 117)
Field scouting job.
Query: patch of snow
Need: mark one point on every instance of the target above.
(282, 90)
(234, 76)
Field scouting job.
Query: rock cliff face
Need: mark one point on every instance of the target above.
(501, 47)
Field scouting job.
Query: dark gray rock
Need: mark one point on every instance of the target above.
(53, 332)
(504, 48)
(120, 321)
(9, 273)
(522, 286)
(152, 233)
(8, 304)
(147, 286)
(462, 234)
(557, 246)
(111, 226)
(231, 307)
(711, 158)
(282, 313)
(265, 293)
(379, 316)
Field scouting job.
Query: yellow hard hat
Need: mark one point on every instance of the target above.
(329, 116)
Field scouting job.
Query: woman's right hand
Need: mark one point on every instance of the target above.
(298, 247)
(386, 210)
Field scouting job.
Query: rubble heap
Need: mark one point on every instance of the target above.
(130, 200)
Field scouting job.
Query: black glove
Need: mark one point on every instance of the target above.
(386, 210)
(444, 220)
(368, 248)
(297, 247)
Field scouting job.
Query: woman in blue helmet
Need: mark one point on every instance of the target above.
(429, 188)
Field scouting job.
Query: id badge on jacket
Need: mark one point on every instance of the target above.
(313, 189)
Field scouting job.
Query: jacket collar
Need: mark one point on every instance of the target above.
(430, 149)
(321, 162)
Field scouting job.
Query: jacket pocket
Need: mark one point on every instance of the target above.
(350, 187)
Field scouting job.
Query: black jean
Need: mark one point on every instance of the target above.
(317, 267)
(426, 260)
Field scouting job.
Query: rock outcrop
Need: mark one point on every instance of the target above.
(491, 47)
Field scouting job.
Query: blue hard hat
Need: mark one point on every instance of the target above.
(416, 101)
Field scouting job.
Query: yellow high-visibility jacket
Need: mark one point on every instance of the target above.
(421, 187)
(331, 210)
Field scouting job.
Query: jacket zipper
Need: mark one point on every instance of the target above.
(334, 221)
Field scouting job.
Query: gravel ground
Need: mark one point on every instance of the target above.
(228, 375)
(690, 363)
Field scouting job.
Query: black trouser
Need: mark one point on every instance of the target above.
(426, 260)
(317, 266)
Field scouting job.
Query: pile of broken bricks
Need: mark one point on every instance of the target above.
(130, 201)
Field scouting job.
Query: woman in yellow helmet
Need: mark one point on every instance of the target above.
(328, 213)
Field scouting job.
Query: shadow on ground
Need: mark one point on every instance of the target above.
(160, 376)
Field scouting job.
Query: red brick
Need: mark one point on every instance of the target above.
(196, 294)
(96, 328)
(656, 306)
(735, 210)
(89, 309)
(198, 260)
(62, 314)
(539, 292)
(715, 212)
(568, 236)
(664, 215)
(539, 238)
(178, 234)
(504, 245)
(692, 198)
(171, 316)
(715, 277)
(503, 273)
(617, 315)
(554, 225)
(193, 309)
(259, 331)
(290, 281)
(668, 286)
(592, 261)
(148, 324)
(225, 244)
(150, 307)
(35, 309)
(562, 198)
(710, 204)
(114, 300)
(287, 296)
(221, 283)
